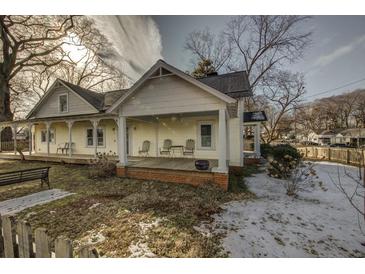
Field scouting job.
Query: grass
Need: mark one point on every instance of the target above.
(237, 178)
(120, 208)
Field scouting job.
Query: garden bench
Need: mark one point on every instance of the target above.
(19, 176)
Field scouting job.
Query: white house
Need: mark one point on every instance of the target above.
(164, 104)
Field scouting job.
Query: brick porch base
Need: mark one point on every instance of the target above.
(174, 176)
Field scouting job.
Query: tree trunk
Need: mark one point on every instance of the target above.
(5, 111)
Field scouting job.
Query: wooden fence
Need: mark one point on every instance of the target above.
(351, 156)
(18, 241)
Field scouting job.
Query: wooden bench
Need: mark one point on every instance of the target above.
(13, 177)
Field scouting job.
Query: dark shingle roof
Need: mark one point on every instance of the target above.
(233, 84)
(111, 96)
(94, 98)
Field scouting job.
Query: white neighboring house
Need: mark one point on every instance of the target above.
(165, 103)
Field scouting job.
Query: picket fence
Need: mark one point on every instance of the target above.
(351, 156)
(18, 241)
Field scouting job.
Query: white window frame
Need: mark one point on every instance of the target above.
(51, 130)
(59, 102)
(104, 139)
(199, 146)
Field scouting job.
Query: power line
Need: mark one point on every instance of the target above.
(333, 89)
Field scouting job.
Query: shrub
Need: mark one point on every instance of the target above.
(266, 150)
(102, 166)
(280, 151)
(282, 168)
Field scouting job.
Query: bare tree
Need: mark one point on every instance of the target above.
(28, 41)
(80, 65)
(282, 92)
(355, 194)
(263, 43)
(204, 45)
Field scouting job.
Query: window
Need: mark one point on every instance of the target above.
(205, 135)
(52, 136)
(63, 103)
(90, 138)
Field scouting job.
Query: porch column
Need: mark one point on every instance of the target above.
(30, 138)
(122, 141)
(14, 129)
(95, 135)
(48, 126)
(1, 130)
(222, 142)
(257, 140)
(240, 110)
(69, 125)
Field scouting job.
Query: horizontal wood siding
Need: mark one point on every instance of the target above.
(76, 105)
(169, 95)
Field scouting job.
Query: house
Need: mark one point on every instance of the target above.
(133, 125)
(354, 136)
(330, 136)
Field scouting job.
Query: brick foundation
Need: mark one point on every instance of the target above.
(194, 178)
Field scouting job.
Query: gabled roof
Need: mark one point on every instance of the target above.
(212, 86)
(235, 84)
(93, 98)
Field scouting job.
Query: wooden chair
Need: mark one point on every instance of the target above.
(189, 148)
(145, 148)
(67, 148)
(61, 147)
(166, 148)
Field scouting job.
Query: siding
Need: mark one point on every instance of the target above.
(169, 95)
(78, 137)
(76, 105)
(176, 129)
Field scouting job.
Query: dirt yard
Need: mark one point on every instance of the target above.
(122, 217)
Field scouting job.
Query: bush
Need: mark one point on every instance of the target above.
(280, 151)
(102, 166)
(282, 168)
(266, 150)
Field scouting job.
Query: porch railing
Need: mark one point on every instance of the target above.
(9, 145)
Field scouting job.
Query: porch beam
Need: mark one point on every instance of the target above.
(122, 141)
(222, 142)
(240, 111)
(14, 129)
(1, 130)
(48, 126)
(30, 138)
(257, 140)
(69, 125)
(95, 124)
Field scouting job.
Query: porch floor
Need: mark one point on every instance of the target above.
(187, 164)
(172, 163)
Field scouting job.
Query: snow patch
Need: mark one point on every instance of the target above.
(320, 223)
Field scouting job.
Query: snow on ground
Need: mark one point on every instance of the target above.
(18, 204)
(320, 223)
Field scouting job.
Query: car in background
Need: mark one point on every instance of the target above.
(338, 145)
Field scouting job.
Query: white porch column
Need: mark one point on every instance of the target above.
(257, 140)
(69, 125)
(48, 126)
(14, 129)
(222, 142)
(1, 130)
(122, 141)
(30, 138)
(240, 110)
(95, 124)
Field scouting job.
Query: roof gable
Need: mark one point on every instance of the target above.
(87, 97)
(161, 69)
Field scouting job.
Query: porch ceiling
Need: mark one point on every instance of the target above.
(153, 118)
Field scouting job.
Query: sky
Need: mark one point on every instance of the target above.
(336, 56)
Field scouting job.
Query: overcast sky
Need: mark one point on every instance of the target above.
(335, 58)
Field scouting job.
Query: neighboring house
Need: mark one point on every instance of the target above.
(354, 136)
(164, 103)
(328, 137)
